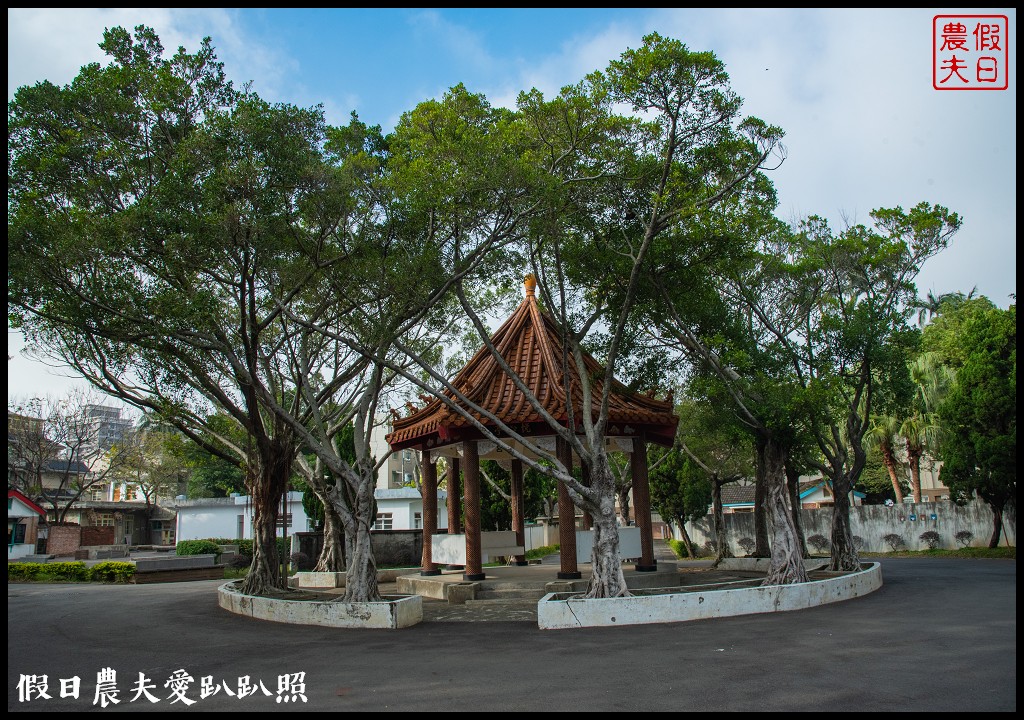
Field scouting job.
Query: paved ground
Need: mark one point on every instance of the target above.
(940, 635)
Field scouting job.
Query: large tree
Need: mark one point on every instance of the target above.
(979, 414)
(603, 188)
(154, 221)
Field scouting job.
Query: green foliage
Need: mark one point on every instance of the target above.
(120, 572)
(680, 489)
(678, 548)
(979, 449)
(49, 572)
(541, 551)
(197, 547)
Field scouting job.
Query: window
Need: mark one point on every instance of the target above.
(19, 535)
(417, 521)
(104, 519)
(407, 454)
(384, 521)
(396, 479)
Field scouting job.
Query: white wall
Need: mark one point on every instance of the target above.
(218, 517)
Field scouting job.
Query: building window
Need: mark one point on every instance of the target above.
(407, 454)
(104, 519)
(417, 521)
(396, 479)
(384, 521)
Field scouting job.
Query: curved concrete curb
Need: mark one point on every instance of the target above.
(314, 580)
(394, 612)
(562, 610)
(762, 564)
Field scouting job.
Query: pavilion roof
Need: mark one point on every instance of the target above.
(530, 342)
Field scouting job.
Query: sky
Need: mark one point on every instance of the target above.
(852, 89)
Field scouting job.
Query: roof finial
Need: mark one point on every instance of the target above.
(530, 281)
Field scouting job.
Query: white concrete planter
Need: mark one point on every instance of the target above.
(762, 564)
(392, 613)
(561, 610)
(313, 580)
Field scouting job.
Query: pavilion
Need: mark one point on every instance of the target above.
(530, 343)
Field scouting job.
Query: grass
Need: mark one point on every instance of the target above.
(1006, 553)
(541, 551)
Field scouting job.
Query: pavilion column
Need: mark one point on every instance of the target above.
(588, 521)
(566, 518)
(454, 500)
(474, 566)
(429, 514)
(518, 519)
(642, 505)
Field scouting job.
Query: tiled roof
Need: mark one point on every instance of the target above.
(530, 343)
(737, 494)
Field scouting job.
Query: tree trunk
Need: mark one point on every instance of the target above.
(332, 554)
(997, 524)
(361, 569)
(914, 458)
(607, 579)
(889, 459)
(787, 563)
(266, 486)
(844, 552)
(793, 485)
(761, 547)
(687, 542)
(722, 550)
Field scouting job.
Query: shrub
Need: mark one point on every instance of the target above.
(820, 543)
(964, 537)
(678, 548)
(748, 545)
(894, 541)
(240, 562)
(23, 570)
(68, 571)
(858, 543)
(120, 572)
(300, 561)
(197, 547)
(930, 538)
(541, 551)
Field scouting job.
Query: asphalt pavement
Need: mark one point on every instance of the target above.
(940, 635)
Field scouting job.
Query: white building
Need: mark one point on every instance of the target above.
(231, 517)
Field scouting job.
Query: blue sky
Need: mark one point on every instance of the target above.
(852, 89)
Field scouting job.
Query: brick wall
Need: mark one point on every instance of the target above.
(97, 536)
(63, 539)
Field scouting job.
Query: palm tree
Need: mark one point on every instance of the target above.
(881, 435)
(921, 430)
(931, 304)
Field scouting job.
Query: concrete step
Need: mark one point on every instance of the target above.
(511, 594)
(504, 602)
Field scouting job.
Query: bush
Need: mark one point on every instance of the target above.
(58, 572)
(820, 543)
(964, 537)
(120, 572)
(240, 562)
(894, 541)
(24, 571)
(748, 545)
(541, 551)
(930, 538)
(678, 548)
(858, 543)
(197, 547)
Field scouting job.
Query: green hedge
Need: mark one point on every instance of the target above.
(52, 572)
(197, 547)
(120, 572)
(284, 546)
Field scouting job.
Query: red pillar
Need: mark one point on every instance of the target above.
(429, 514)
(518, 521)
(642, 505)
(474, 566)
(566, 518)
(454, 501)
